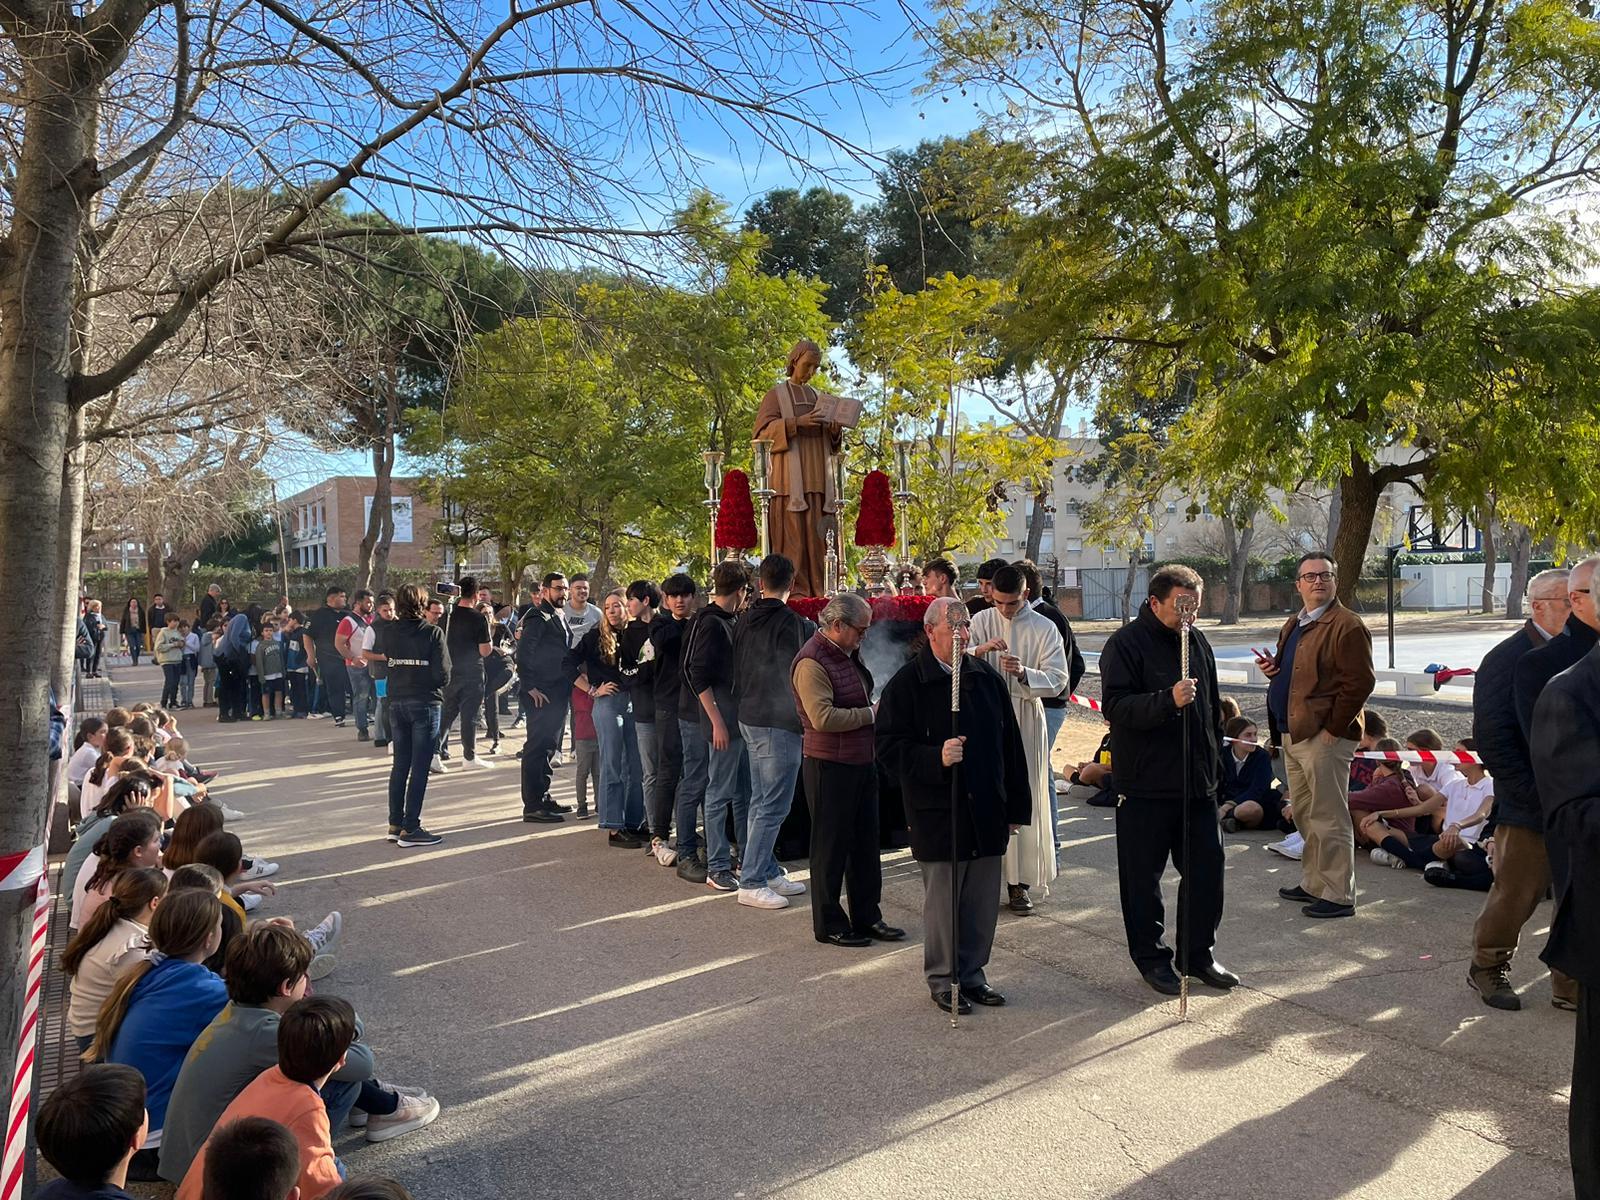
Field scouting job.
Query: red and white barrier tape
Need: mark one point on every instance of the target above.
(1088, 702)
(18, 872)
(1422, 756)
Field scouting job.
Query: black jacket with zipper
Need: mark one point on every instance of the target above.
(542, 651)
(708, 663)
(1138, 668)
(766, 638)
(914, 722)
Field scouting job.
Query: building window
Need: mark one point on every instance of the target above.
(1172, 506)
(1074, 545)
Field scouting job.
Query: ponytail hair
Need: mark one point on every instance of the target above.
(183, 924)
(131, 894)
(87, 728)
(127, 833)
(119, 744)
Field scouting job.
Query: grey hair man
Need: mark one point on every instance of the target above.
(966, 784)
(833, 691)
(1522, 864)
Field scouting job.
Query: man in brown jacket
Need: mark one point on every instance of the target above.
(1321, 676)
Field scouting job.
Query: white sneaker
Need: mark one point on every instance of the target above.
(230, 814)
(414, 1113)
(250, 901)
(322, 965)
(784, 886)
(1384, 859)
(326, 932)
(260, 868)
(664, 852)
(436, 767)
(481, 764)
(762, 897)
(558, 759)
(1062, 787)
(1291, 847)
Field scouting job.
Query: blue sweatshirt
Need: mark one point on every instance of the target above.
(1252, 781)
(169, 1008)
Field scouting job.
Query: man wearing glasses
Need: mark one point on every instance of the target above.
(833, 691)
(1321, 676)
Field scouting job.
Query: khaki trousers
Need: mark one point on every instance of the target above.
(1521, 878)
(1319, 794)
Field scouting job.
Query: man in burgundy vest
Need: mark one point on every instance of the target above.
(833, 692)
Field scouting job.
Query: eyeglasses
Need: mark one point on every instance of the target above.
(1580, 591)
(1317, 577)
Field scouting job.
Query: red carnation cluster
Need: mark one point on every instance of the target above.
(875, 521)
(736, 517)
(809, 607)
(900, 608)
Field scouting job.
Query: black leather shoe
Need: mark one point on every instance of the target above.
(884, 933)
(1216, 975)
(941, 1000)
(561, 808)
(982, 994)
(844, 939)
(543, 816)
(1018, 898)
(1298, 894)
(1324, 909)
(1164, 979)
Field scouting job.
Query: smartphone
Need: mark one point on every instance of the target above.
(1262, 656)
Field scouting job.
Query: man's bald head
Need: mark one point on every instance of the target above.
(946, 610)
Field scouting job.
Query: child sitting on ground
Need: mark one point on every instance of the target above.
(1250, 795)
(160, 1005)
(133, 840)
(1468, 801)
(89, 1128)
(369, 1187)
(252, 1158)
(1392, 803)
(111, 941)
(267, 973)
(313, 1038)
(221, 851)
(1373, 730)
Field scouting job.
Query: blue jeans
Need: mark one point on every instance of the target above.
(774, 766)
(728, 784)
(1054, 718)
(415, 726)
(361, 690)
(621, 799)
(380, 710)
(692, 785)
(186, 684)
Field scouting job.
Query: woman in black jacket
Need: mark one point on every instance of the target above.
(607, 670)
(132, 625)
(416, 667)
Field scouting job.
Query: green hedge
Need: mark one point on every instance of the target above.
(307, 587)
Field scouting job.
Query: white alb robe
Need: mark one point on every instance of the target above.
(1031, 857)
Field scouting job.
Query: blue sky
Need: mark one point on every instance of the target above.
(737, 166)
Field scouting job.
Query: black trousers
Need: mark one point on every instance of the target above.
(669, 770)
(232, 692)
(545, 726)
(1149, 832)
(463, 697)
(844, 845)
(1583, 1117)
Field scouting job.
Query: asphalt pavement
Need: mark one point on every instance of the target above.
(596, 1027)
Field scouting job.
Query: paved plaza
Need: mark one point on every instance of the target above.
(596, 1027)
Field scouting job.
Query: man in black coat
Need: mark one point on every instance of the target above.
(919, 744)
(1521, 863)
(1150, 704)
(546, 684)
(1566, 763)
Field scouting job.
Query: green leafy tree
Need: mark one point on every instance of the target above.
(818, 234)
(1351, 225)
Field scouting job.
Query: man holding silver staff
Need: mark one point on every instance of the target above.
(958, 834)
(1166, 742)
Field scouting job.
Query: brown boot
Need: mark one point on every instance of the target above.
(1494, 985)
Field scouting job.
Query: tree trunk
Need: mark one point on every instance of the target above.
(602, 562)
(373, 564)
(1490, 562)
(1358, 508)
(1335, 504)
(36, 309)
(175, 568)
(1238, 540)
(1128, 581)
(1521, 538)
(513, 566)
(1041, 505)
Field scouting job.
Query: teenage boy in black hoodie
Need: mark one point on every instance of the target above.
(768, 636)
(666, 643)
(716, 759)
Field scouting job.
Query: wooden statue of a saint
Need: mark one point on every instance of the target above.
(805, 505)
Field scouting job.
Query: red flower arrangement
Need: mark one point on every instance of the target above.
(875, 521)
(736, 517)
(884, 608)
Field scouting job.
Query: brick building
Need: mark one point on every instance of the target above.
(327, 521)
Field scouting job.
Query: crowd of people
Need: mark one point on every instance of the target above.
(696, 726)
